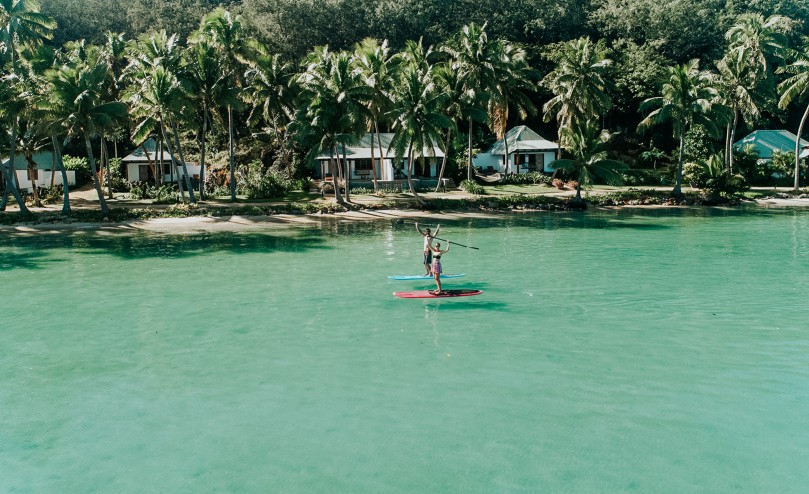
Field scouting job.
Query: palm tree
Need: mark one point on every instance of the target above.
(514, 81)
(377, 65)
(754, 43)
(473, 57)
(586, 143)
(417, 119)
(224, 31)
(796, 87)
(578, 83)
(686, 99)
(77, 97)
(22, 23)
(271, 94)
(206, 81)
(158, 99)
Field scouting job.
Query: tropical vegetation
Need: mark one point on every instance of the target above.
(254, 90)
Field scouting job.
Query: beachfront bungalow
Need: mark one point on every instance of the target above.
(358, 156)
(527, 152)
(43, 174)
(140, 165)
(768, 142)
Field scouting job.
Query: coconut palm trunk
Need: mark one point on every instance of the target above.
(443, 161)
(106, 162)
(336, 174)
(410, 174)
(732, 138)
(381, 150)
(94, 170)
(173, 161)
(469, 150)
(347, 175)
(149, 160)
(186, 177)
(32, 172)
(505, 146)
(678, 183)
(230, 151)
(11, 174)
(798, 149)
(202, 152)
(60, 164)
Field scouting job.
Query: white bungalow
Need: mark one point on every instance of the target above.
(527, 152)
(140, 168)
(43, 174)
(359, 161)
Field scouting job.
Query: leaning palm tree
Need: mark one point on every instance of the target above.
(796, 88)
(473, 56)
(417, 119)
(158, 100)
(736, 87)
(586, 144)
(686, 99)
(578, 83)
(77, 97)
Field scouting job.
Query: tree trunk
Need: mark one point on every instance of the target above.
(678, 183)
(505, 146)
(230, 151)
(798, 149)
(104, 209)
(469, 150)
(57, 151)
(347, 175)
(159, 160)
(53, 169)
(732, 138)
(10, 173)
(108, 168)
(410, 174)
(373, 163)
(202, 153)
(173, 162)
(335, 175)
(728, 147)
(182, 161)
(149, 160)
(381, 151)
(32, 169)
(443, 161)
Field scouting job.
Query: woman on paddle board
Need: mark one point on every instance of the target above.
(428, 246)
(436, 254)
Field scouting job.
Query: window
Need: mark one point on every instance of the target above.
(362, 165)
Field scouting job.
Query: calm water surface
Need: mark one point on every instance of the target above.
(652, 351)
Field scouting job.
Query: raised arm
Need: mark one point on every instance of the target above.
(437, 227)
(419, 229)
(448, 244)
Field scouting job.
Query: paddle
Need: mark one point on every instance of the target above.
(455, 243)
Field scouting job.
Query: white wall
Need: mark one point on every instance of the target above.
(44, 179)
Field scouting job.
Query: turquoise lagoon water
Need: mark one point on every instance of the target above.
(652, 351)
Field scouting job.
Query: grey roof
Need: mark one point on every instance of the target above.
(765, 142)
(151, 147)
(362, 148)
(43, 159)
(521, 138)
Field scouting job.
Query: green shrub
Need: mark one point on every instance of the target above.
(639, 178)
(302, 184)
(258, 182)
(82, 168)
(472, 187)
(534, 178)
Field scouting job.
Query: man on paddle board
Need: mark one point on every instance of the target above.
(428, 247)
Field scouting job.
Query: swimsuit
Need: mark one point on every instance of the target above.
(437, 265)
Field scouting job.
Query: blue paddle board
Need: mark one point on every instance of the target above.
(410, 277)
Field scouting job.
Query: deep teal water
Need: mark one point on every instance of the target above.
(632, 351)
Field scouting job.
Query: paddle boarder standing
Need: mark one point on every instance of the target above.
(437, 253)
(428, 247)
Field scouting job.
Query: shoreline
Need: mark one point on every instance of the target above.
(242, 223)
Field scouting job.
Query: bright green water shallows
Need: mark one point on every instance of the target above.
(611, 352)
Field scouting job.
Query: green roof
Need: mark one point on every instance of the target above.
(765, 142)
(521, 138)
(43, 159)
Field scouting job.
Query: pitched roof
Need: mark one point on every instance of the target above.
(521, 138)
(151, 147)
(765, 142)
(43, 159)
(361, 149)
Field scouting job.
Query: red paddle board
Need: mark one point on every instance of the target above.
(431, 294)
